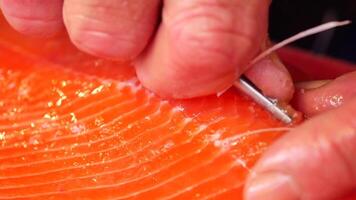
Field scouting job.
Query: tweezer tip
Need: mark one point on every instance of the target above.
(280, 111)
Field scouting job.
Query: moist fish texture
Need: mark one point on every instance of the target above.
(78, 127)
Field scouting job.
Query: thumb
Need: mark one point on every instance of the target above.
(314, 161)
(202, 46)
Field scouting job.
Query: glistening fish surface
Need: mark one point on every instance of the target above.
(77, 127)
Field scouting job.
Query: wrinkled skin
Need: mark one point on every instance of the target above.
(188, 48)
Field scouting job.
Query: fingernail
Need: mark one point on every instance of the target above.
(271, 186)
(309, 85)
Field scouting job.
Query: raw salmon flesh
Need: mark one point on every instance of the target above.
(78, 127)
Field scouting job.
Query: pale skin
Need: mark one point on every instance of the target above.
(200, 47)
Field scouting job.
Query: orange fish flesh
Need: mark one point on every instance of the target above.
(78, 127)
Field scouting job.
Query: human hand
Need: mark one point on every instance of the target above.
(199, 47)
(316, 160)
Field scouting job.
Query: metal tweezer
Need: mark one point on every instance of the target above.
(272, 105)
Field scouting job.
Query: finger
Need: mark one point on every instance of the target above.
(271, 76)
(116, 29)
(34, 17)
(202, 46)
(315, 97)
(314, 161)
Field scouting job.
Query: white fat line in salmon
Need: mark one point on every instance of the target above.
(231, 141)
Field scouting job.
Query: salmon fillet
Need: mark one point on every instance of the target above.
(78, 127)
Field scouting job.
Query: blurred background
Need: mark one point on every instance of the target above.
(288, 17)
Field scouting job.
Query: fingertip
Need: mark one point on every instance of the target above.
(160, 70)
(315, 97)
(271, 76)
(35, 18)
(306, 95)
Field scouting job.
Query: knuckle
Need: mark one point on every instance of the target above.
(34, 17)
(106, 44)
(35, 27)
(210, 29)
(108, 28)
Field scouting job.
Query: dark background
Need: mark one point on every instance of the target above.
(288, 17)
